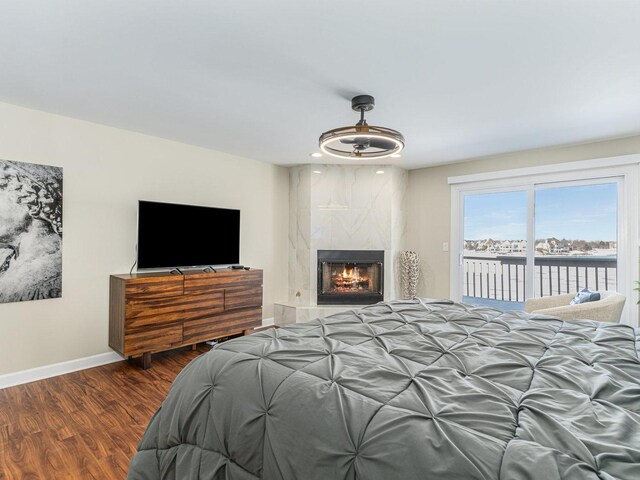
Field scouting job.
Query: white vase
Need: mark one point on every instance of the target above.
(410, 273)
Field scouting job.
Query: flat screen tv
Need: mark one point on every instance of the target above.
(173, 235)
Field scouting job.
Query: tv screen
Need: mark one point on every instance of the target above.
(174, 235)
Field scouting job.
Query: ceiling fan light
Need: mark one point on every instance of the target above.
(362, 141)
(330, 144)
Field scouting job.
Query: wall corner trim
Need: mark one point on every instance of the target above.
(55, 369)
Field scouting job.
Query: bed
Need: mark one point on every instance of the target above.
(406, 390)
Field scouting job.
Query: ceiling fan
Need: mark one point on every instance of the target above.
(362, 141)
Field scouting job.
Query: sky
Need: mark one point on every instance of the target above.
(586, 212)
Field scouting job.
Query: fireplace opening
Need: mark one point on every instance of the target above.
(350, 277)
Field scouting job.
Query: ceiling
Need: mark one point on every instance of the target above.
(263, 79)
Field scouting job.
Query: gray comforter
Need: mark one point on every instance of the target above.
(406, 390)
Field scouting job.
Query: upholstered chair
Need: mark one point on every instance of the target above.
(607, 309)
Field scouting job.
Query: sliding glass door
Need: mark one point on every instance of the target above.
(541, 239)
(495, 249)
(576, 231)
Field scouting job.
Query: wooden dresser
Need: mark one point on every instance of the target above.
(152, 312)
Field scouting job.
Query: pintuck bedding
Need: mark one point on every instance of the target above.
(406, 390)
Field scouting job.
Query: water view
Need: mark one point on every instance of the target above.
(579, 250)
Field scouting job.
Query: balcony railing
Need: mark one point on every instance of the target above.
(504, 277)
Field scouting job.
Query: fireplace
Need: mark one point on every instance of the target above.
(350, 277)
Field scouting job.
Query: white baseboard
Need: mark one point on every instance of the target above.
(55, 369)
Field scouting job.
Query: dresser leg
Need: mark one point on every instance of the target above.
(194, 346)
(146, 360)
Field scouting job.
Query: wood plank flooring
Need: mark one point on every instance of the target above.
(83, 425)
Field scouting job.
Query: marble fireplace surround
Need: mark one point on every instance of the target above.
(341, 207)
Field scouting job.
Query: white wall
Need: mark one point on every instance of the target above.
(106, 171)
(429, 200)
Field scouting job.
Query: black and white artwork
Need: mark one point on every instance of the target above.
(30, 231)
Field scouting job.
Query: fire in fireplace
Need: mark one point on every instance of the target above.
(350, 277)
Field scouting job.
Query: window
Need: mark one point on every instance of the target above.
(545, 231)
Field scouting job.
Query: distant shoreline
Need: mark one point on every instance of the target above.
(593, 253)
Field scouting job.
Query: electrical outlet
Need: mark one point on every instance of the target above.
(445, 247)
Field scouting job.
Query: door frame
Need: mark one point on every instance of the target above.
(626, 168)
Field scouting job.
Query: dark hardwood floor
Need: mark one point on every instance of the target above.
(85, 424)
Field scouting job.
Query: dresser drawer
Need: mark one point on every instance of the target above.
(242, 297)
(155, 287)
(144, 312)
(222, 325)
(205, 282)
(152, 339)
(206, 305)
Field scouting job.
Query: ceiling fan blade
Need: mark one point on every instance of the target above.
(381, 143)
(349, 141)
